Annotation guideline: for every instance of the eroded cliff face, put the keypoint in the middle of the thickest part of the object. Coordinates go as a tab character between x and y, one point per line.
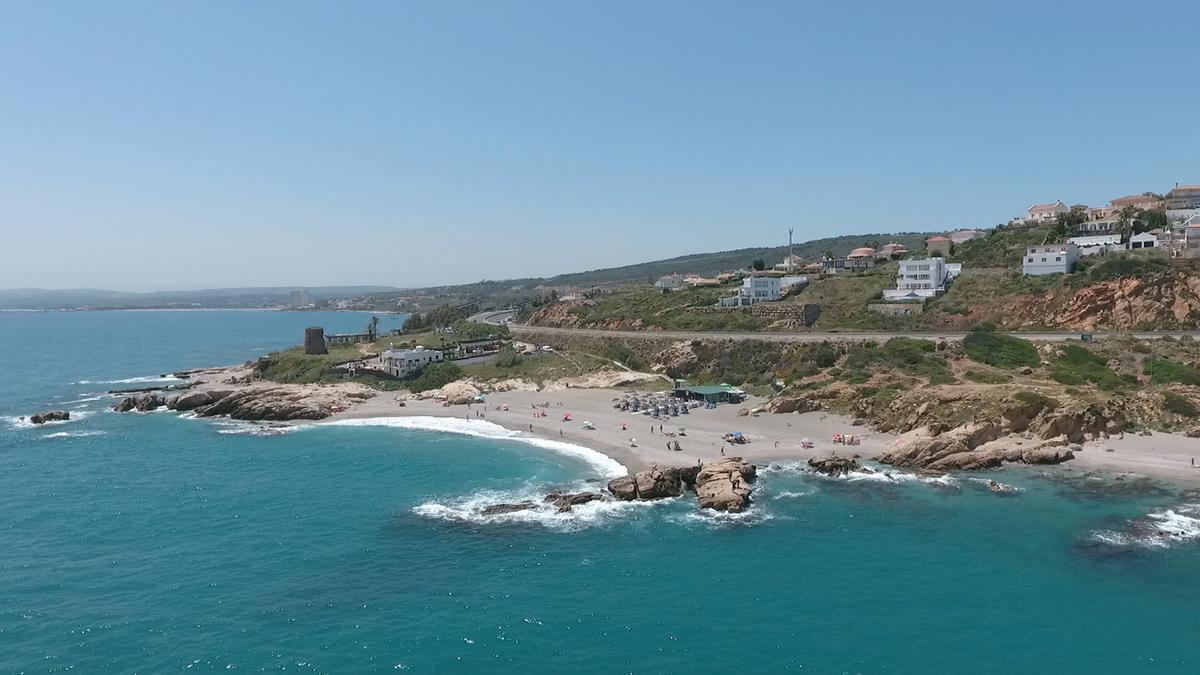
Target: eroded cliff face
1172	301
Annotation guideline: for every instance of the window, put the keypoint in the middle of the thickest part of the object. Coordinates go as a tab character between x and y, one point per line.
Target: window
1031	260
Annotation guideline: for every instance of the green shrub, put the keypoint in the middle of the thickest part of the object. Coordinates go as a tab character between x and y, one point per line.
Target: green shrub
1113	267
912	357
508	357
1079	366
1179	405
984	377
435	375
1162	371
1042	401
1000	351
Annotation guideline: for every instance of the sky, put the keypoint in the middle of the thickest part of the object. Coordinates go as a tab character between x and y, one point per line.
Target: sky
174	145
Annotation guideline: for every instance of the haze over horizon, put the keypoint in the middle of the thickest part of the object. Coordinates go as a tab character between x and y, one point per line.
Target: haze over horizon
150	146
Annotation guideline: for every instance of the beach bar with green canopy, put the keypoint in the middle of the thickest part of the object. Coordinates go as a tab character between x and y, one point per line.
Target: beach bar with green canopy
719	393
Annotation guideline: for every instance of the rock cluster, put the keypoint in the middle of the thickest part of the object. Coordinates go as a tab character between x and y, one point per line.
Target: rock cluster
834	466
970	447
50	416
274	403
723	486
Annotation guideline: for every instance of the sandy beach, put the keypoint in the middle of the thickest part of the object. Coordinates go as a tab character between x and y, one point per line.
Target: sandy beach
1158	455
771	437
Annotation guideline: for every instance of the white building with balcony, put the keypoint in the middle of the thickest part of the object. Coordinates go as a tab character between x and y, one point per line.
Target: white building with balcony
922	279
758	289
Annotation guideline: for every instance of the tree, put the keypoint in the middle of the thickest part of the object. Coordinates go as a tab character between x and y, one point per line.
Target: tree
373	328
828	254
1125	219
759	264
1151	219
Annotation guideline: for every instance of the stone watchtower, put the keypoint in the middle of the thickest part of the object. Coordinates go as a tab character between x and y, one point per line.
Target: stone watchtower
314	340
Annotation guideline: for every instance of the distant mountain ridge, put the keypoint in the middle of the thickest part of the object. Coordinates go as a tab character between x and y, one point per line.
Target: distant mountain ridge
706	264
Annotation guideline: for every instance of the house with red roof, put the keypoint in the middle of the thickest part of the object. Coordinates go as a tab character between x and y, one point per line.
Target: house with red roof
938	245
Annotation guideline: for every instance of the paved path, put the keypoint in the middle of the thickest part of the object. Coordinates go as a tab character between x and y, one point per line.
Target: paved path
768	336
494	317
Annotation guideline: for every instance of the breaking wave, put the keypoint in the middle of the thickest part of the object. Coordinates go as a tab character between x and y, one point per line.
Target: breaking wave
75	434
755	515
469	509
1158	529
869	475
145	379
605	465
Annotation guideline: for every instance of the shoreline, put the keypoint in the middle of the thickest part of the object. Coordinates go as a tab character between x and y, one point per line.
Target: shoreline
772	437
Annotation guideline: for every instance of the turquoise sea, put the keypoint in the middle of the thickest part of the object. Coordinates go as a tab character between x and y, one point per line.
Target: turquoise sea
156	543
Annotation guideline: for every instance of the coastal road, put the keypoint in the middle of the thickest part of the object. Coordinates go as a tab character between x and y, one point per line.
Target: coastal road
494	317
1039	336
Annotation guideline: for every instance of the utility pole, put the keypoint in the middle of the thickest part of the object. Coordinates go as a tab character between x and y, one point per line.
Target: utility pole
790	263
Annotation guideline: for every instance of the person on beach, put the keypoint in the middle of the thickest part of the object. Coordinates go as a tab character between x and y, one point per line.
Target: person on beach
722	451
530	428
560	433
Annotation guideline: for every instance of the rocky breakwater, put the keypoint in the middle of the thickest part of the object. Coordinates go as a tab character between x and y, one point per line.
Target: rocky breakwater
255	403
725	485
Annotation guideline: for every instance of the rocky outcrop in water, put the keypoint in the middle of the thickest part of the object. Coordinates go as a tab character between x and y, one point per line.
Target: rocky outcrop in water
141	402
834	466
50	416
565	501
725	485
500	509
655	483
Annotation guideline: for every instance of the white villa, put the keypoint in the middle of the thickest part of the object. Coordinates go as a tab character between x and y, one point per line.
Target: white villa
758	289
1040	214
922	279
407	362
670	282
1143	240
1050	259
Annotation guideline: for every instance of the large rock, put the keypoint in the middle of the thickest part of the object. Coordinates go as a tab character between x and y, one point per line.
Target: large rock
564	501
653	484
141	402
834	466
193	400
623	488
283	403
658	483
499	509
50	416
725	485
925	448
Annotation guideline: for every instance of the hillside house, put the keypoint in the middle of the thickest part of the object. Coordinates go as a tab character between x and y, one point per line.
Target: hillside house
846	265
1045	214
963	236
668	283
1050	259
892	250
938	245
1142	202
1183	202
796	263
762	288
922	279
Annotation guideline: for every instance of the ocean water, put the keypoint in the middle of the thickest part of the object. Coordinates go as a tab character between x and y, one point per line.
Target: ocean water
157	543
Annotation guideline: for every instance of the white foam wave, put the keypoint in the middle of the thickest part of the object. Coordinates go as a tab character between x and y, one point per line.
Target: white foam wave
89	399
1159	529
787	494
145	379
257	430
75	434
605	465
469	509
755	515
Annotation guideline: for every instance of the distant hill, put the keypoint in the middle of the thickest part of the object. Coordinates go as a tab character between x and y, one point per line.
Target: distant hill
708	264
91	298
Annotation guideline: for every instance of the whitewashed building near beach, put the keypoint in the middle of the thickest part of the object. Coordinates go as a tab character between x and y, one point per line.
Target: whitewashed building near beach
1097	244
408	362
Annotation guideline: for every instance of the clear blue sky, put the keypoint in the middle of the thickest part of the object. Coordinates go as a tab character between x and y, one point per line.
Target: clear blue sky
167	145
